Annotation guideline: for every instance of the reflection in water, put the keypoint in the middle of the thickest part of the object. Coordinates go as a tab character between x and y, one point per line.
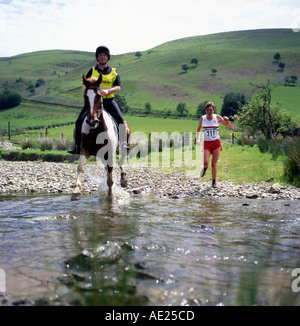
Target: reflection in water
148	251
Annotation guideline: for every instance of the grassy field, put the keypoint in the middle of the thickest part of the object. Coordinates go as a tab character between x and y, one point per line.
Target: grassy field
289	98
35	115
144	125
156	77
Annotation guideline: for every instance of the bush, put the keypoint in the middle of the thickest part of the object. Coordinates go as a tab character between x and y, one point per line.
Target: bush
62	144
45	144
263	144
232	104
277	148
40	82
9	99
245	140
27	143
292	161
18	155
290	149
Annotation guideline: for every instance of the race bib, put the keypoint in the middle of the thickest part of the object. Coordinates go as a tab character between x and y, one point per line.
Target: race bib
211	133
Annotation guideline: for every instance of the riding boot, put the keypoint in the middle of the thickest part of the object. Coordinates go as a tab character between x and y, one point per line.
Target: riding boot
76	148
77	135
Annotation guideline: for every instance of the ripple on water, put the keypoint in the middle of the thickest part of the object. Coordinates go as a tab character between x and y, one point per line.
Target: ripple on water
191	251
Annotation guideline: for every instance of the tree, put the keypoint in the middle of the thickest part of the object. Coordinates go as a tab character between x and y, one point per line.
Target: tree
182	110
232	104
261	116
40	82
138	54
31	88
9	99
277	56
185	67
147	108
291	80
281	66
201	109
122	103
194	61
214	71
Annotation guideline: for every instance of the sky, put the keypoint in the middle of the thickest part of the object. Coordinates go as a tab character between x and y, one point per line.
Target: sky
131	25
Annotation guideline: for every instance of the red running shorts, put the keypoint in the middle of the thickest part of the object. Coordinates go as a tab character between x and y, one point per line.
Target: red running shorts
212	145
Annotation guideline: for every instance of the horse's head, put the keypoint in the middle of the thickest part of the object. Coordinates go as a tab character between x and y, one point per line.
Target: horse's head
92	99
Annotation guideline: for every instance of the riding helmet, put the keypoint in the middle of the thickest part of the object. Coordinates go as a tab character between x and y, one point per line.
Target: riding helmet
102	49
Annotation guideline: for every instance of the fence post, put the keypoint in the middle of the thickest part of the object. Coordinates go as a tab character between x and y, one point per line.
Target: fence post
8	130
232	138
46	133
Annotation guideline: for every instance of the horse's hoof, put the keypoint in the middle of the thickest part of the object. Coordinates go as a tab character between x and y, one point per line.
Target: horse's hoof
123	180
76	196
124	183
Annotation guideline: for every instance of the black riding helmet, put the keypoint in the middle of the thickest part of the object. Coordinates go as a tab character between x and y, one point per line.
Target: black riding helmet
102	49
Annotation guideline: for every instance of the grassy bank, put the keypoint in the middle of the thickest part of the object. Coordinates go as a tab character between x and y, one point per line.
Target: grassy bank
247	164
36	155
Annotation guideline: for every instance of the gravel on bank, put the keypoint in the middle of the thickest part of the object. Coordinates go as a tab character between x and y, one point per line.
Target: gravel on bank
49	177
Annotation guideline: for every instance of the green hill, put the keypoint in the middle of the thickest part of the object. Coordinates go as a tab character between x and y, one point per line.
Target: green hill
157	77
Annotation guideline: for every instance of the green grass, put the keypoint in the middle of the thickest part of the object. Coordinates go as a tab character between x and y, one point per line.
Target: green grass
246	164
239	164
289	98
29	114
137	124
156	77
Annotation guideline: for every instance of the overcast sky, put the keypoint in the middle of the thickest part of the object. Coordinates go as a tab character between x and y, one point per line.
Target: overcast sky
131	25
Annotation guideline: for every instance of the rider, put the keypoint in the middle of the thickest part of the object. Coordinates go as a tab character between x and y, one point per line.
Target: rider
111	84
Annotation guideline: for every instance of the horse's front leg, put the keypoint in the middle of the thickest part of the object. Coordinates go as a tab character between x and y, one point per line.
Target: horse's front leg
123	155
124	181
76	194
110	180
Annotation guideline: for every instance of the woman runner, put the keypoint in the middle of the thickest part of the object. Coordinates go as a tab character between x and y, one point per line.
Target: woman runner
212	144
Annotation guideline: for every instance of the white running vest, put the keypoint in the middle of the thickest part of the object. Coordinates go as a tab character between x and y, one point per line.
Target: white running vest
210	128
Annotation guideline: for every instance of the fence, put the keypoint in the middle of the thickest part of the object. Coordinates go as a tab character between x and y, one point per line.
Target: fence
293	133
9	131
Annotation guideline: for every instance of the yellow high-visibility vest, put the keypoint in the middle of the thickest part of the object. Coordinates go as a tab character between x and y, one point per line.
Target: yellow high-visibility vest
107	80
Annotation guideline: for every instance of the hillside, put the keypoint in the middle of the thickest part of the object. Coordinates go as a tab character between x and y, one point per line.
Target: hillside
157	77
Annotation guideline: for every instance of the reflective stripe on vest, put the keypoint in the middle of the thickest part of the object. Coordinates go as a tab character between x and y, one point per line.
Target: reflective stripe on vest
107	80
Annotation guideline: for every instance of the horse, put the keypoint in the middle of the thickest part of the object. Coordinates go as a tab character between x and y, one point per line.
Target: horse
99	136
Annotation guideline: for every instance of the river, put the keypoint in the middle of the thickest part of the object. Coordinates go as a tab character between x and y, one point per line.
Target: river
148	251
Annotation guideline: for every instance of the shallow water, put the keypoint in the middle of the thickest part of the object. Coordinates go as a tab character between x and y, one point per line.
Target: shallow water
135	250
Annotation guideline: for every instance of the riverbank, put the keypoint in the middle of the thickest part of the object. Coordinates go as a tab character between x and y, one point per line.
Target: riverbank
49	177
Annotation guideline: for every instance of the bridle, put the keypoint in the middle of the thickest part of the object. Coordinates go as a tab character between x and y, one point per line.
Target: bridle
97	92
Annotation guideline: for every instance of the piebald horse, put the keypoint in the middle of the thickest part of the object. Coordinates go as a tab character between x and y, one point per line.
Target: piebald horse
99	136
